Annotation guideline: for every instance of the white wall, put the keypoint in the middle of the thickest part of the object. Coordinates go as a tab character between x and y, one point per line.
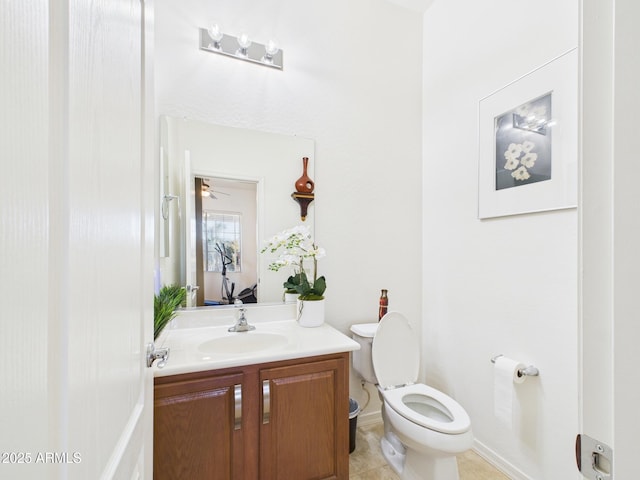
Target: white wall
351	81
506	285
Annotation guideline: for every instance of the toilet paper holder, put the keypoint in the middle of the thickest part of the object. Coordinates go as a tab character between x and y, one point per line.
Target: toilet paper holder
529	371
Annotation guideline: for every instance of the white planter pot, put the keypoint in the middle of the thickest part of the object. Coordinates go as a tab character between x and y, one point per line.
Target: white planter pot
290	297
310	312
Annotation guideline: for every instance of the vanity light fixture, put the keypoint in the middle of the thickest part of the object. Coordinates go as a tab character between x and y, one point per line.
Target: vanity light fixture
242	47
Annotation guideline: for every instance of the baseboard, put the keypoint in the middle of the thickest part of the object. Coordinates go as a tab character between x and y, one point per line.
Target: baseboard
500	463
368	419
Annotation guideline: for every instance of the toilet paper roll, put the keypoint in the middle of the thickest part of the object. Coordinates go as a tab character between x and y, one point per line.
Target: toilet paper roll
505	375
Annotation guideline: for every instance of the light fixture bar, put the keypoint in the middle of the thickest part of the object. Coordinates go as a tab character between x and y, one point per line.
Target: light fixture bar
228	45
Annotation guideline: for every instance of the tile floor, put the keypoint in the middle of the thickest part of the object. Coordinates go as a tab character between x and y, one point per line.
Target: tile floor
367	462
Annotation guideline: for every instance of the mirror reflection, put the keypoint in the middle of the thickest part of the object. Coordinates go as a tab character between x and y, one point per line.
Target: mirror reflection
225	219
223	191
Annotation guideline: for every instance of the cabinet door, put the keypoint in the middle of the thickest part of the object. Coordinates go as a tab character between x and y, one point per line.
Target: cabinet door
196	430
305	421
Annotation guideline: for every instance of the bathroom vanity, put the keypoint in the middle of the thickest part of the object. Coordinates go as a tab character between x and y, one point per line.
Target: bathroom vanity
267	404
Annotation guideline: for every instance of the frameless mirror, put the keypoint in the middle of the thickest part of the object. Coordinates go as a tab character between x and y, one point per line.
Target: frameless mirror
223	192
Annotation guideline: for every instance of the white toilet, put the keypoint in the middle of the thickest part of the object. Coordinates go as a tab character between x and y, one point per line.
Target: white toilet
424	428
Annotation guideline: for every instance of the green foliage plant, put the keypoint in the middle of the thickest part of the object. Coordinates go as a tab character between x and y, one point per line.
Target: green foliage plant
165	303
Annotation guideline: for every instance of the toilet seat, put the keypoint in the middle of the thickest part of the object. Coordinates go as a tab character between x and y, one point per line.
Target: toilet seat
396	358
440	412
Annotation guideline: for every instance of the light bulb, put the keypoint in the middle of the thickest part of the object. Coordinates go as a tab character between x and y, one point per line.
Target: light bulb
215	34
244	41
271	48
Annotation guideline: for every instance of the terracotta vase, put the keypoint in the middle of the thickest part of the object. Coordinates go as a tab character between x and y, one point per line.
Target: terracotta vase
304	184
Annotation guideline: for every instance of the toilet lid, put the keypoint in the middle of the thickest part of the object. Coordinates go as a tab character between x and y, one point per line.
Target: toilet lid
395	352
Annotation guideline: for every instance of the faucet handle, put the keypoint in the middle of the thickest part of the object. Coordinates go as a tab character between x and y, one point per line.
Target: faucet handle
241	322
240	306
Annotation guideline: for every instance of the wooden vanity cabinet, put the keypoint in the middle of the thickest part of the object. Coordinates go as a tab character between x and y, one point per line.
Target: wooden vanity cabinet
305	434
294	422
194	428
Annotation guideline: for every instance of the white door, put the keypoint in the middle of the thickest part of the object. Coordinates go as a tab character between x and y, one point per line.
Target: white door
76	236
610	225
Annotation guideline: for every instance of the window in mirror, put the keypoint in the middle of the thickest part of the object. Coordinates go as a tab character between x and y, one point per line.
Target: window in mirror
222	239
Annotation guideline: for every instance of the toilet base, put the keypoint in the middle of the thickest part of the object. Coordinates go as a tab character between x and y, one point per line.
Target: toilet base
413	465
419	466
393	454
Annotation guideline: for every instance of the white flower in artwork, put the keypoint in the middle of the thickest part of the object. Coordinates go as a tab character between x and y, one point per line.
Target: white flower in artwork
529	159
521	173
520	157
514	150
512	162
527	146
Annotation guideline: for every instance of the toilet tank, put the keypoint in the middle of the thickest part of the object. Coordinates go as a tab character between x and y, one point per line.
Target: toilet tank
363	333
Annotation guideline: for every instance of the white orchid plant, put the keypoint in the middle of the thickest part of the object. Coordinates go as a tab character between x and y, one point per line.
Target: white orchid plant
295	246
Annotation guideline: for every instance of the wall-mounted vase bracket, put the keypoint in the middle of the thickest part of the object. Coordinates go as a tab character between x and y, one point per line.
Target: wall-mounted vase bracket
304	199
304	190
231	47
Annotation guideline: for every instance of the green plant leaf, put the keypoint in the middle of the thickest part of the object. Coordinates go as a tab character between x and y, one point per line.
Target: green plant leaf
165	303
319	286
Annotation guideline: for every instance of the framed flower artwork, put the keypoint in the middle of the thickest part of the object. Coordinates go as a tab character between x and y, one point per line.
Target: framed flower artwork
528	142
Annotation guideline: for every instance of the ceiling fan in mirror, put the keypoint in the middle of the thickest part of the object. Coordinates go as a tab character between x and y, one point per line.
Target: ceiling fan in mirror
207	191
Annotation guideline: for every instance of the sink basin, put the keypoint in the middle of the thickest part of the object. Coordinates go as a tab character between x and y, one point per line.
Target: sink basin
245	342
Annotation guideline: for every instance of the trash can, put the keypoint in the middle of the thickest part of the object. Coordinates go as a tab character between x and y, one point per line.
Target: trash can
354	409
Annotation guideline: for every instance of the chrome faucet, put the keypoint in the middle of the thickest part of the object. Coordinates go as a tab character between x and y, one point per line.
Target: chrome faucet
241	323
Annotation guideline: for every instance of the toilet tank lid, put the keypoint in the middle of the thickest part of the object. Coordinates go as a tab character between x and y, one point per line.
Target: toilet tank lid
367	330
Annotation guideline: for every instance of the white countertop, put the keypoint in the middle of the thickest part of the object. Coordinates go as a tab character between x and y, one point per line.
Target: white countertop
190	335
